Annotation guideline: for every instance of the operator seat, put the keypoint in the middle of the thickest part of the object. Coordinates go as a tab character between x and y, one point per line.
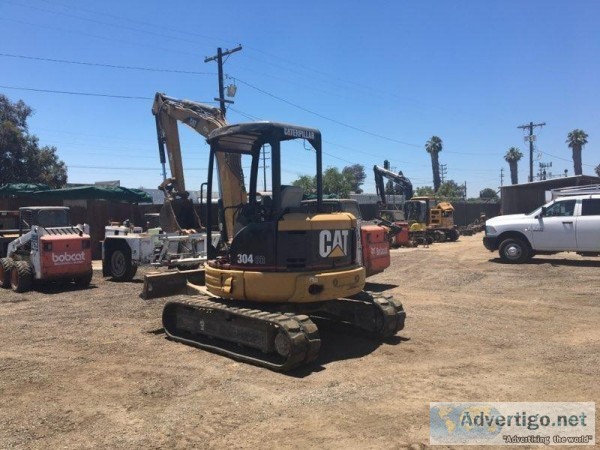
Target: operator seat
291	199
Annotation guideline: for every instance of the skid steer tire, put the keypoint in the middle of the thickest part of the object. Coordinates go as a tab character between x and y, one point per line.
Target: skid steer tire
84	281
5	268
21	277
120	267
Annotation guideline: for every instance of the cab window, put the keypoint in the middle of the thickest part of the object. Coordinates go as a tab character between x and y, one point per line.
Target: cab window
561	209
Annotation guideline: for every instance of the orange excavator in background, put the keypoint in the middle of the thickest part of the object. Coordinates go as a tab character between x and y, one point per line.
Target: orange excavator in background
279	268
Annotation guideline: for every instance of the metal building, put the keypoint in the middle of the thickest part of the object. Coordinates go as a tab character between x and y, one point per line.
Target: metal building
522	198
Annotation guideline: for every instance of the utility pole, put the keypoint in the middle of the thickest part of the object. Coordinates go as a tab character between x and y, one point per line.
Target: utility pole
264	166
502	176
531	138
219	58
543	167
443	171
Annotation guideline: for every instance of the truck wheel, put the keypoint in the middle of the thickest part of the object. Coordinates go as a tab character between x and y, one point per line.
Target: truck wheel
120	267
514	251
21	277
84	281
5	267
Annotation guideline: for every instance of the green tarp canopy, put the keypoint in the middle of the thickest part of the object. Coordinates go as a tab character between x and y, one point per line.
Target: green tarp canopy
22	188
118	194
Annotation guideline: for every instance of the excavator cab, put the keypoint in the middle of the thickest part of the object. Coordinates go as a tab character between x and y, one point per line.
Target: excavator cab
271	233
258	210
417	211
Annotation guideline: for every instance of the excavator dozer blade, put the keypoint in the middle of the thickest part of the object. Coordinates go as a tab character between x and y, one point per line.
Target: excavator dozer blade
165	284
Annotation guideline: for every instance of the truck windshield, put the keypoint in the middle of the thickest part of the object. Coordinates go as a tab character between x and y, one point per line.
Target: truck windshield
535	212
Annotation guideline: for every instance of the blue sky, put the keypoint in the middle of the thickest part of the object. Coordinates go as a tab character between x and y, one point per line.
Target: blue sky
378	79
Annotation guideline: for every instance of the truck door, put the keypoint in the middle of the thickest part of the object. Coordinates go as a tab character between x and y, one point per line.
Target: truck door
555	229
588	229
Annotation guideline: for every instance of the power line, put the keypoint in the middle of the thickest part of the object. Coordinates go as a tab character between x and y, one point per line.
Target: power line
157	169
565	159
89	94
100	22
325	117
155	25
162	26
115	66
111	66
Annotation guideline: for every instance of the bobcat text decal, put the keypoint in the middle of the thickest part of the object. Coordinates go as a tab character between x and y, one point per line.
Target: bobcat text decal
333	244
68	258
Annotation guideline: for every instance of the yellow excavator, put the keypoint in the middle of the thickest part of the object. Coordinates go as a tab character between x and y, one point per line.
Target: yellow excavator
279	267
436	219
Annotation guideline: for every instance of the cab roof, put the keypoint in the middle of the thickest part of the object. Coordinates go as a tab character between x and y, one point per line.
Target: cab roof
244	137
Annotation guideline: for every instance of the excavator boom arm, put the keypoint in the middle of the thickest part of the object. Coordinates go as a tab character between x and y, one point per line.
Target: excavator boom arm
168	111
381	173
203	119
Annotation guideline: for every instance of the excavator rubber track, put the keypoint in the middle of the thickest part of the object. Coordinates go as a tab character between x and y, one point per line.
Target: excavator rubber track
377	315
277	341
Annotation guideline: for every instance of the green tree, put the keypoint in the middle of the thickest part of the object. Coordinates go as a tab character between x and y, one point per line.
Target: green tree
512	157
424	191
21	158
576	140
434	147
597	170
489	194
307	183
355	174
450	190
334	182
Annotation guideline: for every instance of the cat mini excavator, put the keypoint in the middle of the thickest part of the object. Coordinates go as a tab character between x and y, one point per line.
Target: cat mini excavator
283	268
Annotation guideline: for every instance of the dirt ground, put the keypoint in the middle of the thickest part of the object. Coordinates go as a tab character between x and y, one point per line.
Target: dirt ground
92	368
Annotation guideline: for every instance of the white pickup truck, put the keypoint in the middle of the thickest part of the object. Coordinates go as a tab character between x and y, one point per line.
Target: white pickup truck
566	224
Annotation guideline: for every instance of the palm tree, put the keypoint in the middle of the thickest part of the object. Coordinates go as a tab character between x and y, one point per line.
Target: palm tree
512	157
433	147
576	140
597	170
